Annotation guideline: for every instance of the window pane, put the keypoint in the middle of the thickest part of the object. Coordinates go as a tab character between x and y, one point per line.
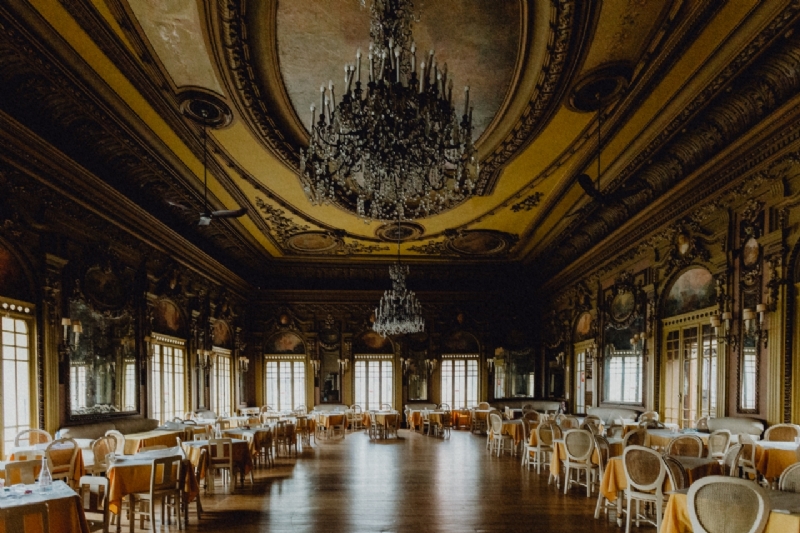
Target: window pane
16	369
361	383
386	383
299	391
447	382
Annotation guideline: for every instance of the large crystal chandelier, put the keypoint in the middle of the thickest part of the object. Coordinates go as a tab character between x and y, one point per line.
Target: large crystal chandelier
397	148
398	311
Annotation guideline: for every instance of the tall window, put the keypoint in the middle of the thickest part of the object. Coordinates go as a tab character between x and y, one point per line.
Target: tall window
373	381
690	369
17	372
748	399
221	387
623	376
460	380
167	379
580	382
129	382
285	382
77	386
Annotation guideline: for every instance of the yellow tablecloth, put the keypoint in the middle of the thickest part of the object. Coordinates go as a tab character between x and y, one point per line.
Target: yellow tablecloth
512	428
135	441
256	438
242	460
676	518
614	479
461	418
133	476
64	512
772	458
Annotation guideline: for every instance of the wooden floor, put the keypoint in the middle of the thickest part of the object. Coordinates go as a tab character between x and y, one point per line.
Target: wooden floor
416	484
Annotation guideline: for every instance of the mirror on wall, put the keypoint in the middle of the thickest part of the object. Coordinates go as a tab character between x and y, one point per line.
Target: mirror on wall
623	365
514	373
102	362
331	383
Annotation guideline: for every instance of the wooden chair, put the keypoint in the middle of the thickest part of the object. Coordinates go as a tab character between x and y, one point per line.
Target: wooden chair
790	479
579	445
603	455
782	433
543	448
64	471
645	472
678	477
199	467
30	518
722	503
686	445
220	458
93	493
483	406
29	437
22	471
120	440
165	476
393	421
747	457
498	439
100	449
730	463
28	455
354	418
718	443
637	437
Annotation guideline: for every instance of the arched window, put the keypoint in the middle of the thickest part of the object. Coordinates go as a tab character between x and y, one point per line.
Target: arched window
167	377
285	371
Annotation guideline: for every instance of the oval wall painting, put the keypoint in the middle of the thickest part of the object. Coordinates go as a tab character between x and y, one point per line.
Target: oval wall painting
285	343
583	329
622	306
693	290
751	252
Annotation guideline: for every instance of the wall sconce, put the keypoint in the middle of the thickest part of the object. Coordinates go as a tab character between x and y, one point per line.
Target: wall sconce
343	364
754	323
722	326
71	338
430	365
206	359
244	365
405	365
490	364
637	343
593	355
315	365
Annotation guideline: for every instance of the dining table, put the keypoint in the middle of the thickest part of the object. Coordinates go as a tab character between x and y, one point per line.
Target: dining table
64	509
512	428
135	441
129	475
381	418
59	455
326	421
772	457
255	437
240	449
662	437
480	418
784	517
414	418
462	418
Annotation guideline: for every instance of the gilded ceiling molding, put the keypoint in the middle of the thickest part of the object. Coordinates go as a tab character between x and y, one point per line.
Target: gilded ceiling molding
765	86
528	203
281	226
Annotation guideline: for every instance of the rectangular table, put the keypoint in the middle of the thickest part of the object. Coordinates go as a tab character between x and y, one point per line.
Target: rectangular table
131	474
676	515
662	437
462	419
381	418
135	441
60	457
772	458
242	460
512	428
64	509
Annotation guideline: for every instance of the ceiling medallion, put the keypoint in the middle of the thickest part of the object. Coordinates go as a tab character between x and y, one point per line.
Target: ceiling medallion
481	242
600	87
314	242
397	150
404	231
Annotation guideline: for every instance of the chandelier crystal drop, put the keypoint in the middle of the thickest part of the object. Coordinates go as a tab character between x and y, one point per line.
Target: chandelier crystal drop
398	312
393	147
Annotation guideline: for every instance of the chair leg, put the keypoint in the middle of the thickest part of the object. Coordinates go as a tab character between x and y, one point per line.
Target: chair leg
628	517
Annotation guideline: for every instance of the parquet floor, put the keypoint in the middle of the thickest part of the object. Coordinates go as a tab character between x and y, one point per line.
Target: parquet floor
416	484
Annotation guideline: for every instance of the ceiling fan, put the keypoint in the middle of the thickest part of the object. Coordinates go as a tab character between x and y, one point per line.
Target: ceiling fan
206	216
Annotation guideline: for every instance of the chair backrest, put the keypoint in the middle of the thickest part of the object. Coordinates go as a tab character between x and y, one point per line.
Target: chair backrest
166	472
560	419
720	503
603	451
28	455
220	451
101	448
570	422
22	471
718	443
496	423
702	423
527	407
748	456
593	426
615	431
782	433
29	518
534	416
544	434
558	433
730	463
483	406
32	436
650	424
678	477
790	479
62	444
120	440
637	437
686	445
648	415
386	407
444	407
93	493
645	470
300	410
596	418
356	408
578	443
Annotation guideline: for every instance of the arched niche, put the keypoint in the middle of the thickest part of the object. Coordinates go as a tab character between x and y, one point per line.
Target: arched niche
15	283
169	319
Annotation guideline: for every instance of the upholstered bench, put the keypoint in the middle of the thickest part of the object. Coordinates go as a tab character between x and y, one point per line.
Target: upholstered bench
737	425
98	429
609	414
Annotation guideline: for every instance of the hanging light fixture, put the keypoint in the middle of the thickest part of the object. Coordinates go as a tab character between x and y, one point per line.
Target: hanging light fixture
397	148
398	312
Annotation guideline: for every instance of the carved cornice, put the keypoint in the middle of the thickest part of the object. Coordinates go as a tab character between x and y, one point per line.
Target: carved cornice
765	86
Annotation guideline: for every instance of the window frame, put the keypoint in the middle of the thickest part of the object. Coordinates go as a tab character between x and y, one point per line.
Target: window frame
467	358
293	361
17	310
154	390
364	400
222	356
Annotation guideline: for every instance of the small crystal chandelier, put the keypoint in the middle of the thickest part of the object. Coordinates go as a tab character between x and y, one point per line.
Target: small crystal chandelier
398	311
397	148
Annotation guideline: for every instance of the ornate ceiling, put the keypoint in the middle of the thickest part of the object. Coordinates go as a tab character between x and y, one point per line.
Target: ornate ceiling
535	68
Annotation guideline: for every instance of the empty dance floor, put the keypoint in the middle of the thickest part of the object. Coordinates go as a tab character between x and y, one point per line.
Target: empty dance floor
416	484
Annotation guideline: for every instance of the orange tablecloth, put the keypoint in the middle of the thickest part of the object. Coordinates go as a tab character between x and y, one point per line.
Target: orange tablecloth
133	475
135	441
256	437
676	518
64	511
461	418
614	479
772	458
